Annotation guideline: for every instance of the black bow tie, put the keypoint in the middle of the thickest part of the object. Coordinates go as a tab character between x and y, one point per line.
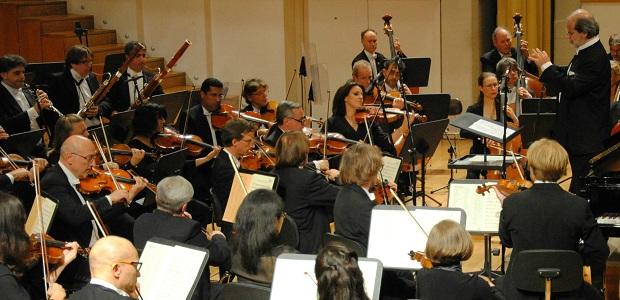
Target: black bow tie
79	82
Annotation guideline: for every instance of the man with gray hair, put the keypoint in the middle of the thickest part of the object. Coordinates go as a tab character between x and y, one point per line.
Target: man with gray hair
583	89
502	47
614	47
289	117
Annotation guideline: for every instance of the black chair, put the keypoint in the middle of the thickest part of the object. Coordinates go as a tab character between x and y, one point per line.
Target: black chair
242	291
289	235
112	62
351	244
455	108
535	270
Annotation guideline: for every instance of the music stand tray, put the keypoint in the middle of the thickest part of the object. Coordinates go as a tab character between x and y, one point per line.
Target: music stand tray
426	137
173	103
169	164
24	143
484	127
417	71
477	162
434	106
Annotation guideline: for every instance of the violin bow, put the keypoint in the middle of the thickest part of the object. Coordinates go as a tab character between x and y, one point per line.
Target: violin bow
189	101
241	94
260	148
11	162
409	213
325	127
44	261
234	165
105	138
97	218
514	157
105	164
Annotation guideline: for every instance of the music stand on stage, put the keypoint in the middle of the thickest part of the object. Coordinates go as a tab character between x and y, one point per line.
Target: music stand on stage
98	132
434	106
423	141
169	164
39	75
24	143
173	103
120	126
416	72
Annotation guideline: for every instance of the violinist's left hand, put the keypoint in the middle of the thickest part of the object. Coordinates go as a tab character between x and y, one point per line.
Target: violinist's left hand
398	103
137	155
393	186
70	252
214	153
136	188
3	134
332	174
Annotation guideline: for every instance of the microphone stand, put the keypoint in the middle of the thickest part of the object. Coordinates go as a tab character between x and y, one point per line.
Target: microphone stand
504	86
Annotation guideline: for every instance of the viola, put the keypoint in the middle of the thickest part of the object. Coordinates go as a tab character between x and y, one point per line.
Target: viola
171	139
256	160
12	158
382	191
421	258
99	180
270	112
54	249
366	113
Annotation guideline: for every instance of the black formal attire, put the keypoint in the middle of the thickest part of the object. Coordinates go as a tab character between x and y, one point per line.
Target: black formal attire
490	59
6	185
446	283
97	292
221	178
64	93
547	217
583	122
379	60
309	199
198	124
352	211
10	285
118	98
249	107
264	268
15	120
380	138
146	167
273	135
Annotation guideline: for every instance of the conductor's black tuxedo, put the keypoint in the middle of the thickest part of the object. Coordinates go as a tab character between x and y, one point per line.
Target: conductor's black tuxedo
64	94
547	217
309	200
15	120
352	212
97	292
490	59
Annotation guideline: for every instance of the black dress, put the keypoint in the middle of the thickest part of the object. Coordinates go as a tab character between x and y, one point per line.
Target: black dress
379	137
450	283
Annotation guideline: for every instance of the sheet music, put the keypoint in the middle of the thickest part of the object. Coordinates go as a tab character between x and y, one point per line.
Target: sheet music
499	158
33	223
260	181
391	166
482	211
491	129
169	271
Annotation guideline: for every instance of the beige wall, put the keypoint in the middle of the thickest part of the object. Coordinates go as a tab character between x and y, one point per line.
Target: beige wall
606	13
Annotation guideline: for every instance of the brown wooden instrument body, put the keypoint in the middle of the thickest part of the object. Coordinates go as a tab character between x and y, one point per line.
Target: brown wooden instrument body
148	90
54	249
171	139
421	258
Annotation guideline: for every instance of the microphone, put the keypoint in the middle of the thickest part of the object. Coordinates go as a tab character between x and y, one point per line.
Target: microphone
376	82
134	78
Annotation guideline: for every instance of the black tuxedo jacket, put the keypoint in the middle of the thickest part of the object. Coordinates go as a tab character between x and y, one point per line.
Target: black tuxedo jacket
584	111
547	217
64	93
222	174
97	292
14	120
118	96
379	136
72	221
309	200
352	211
490	59
197	124
378	61
273	135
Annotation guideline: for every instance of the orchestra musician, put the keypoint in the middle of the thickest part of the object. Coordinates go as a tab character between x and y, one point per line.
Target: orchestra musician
526	217
583	122
255	93
488	107
70	124
370	54
290	116
237	139
114	268
337	274
126	92
448	245
502	47
21	110
257	226
171	221
509	63
199	121
391	73
74	87
614	47
308	196
19	276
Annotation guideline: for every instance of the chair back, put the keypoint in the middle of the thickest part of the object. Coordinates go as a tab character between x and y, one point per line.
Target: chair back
354	246
455	108
112	62
289	235
530	267
242	291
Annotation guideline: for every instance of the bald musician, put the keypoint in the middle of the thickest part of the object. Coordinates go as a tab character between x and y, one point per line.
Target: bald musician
114	269
370	54
502	47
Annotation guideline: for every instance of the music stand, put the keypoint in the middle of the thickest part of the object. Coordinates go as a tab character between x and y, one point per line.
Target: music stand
40	76
169	164
120	126
536	126
416	72
98	132
423	141
434	106
539	105
24	143
173	103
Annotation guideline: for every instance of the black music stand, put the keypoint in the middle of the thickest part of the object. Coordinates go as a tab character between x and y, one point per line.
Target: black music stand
39	75
173	103
434	106
424	140
24	143
539	105
416	72
98	132
169	164
536	126
120	126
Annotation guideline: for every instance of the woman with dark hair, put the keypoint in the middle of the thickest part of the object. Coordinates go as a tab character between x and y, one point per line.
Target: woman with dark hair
348	99
256	229
309	198
338	275
488	107
19	276
70	124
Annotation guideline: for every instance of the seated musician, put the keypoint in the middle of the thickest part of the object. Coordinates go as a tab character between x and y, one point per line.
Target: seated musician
308	196
502	47
171	221
257	226
362	75
70	124
114	269
289	117
488	107
126	92
75	86
337	274
547	217
20	272
448	245
237	139
199	121
392	84
347	100
255	93
509	63
21	109
73	220
370	54
20	174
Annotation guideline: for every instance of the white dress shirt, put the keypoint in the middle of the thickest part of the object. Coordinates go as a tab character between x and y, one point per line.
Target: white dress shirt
84	95
211	129
22	101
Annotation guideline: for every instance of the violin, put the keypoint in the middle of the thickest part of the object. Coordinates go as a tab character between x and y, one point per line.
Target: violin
171	139
99	180
121	154
54	249
5	162
256	160
388	99
270	111
421	258
365	113
336	143
505	187
223	114
382	191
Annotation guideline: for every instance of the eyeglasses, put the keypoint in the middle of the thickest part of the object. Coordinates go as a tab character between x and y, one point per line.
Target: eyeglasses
300	120
88	158
88	61
136	264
